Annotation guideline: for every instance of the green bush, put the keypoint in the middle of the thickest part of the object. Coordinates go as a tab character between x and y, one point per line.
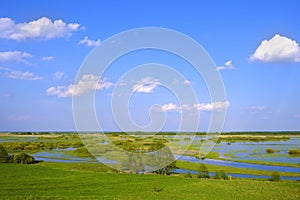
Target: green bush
188	175
294	152
31	147
4	157
270	150
217	175
203	171
23	158
221	175
275	176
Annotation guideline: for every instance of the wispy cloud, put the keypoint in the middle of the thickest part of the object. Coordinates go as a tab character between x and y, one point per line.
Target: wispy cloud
58	75
279	49
227	65
90	43
43	28
88	82
47	58
20	75
15	56
24	76
219	106
146	85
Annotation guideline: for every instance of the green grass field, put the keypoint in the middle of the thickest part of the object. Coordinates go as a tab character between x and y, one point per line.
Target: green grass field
88	181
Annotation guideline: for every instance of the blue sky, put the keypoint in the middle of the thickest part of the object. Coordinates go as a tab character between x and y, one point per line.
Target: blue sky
254	44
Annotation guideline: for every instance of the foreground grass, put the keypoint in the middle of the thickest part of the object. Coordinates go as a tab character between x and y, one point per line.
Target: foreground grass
58	181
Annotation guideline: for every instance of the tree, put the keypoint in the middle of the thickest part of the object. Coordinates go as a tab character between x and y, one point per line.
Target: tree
275	177
223	175
217	175
188	175
203	171
4	157
23	158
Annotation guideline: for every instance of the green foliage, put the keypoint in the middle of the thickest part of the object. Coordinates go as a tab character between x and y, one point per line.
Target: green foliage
294	152
203	171
31	147
156	188
23	158
270	150
4	157
275	176
217	175
221	175
188	175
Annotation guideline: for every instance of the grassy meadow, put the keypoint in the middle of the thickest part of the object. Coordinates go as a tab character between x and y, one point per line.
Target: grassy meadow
74	181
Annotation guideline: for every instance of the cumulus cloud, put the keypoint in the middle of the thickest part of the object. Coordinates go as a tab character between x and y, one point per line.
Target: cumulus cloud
88	82
16	56
90	43
195	107
24	76
41	28
227	65
146	85
279	49
47	58
58	75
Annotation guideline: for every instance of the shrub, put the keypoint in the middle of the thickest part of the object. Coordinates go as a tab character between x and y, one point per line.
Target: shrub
23	158
31	147
4	157
203	171
270	150
275	177
188	175
156	188
294	152
217	175
221	175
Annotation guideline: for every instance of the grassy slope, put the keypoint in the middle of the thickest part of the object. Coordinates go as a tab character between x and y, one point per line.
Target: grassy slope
48	181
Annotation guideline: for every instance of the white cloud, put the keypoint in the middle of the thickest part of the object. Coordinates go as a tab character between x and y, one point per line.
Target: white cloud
23	76
88	42
228	65
279	49
41	28
257	109
187	82
146	85
16	56
169	107
212	106
195	107
58	75
47	58
88	82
